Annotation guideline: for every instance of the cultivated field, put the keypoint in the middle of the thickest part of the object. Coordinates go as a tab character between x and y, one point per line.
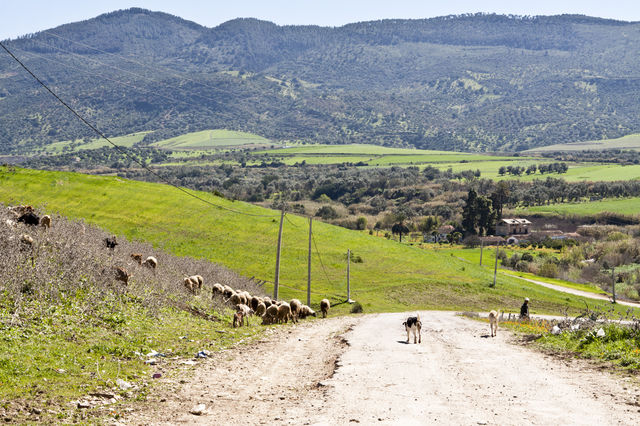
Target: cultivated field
625	142
211	139
78	145
626	206
392	276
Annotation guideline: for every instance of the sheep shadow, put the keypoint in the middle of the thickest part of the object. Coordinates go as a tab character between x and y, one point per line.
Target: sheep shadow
485	336
404	342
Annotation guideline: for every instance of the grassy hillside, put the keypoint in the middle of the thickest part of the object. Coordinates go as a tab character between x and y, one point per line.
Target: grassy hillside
211	139
79	144
392	276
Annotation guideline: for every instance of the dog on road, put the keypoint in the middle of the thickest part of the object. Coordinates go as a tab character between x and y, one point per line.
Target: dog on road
413	325
493	322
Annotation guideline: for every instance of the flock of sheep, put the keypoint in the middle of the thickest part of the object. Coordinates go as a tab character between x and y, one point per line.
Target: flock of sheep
244	304
271	311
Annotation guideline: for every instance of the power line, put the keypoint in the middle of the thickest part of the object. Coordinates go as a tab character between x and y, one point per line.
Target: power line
120	149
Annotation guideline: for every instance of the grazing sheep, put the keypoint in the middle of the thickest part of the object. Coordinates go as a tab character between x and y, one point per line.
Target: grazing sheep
235	299
254	302
296	306
150	262
246	310
228	291
307	312
247	297
26	239
29	218
122	275
110	242
20	210
324	307
270	315
217	288
191	284
284	313
261	309
267	301
45	221
137	257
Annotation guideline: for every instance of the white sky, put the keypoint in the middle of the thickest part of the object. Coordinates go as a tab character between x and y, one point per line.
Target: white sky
29	16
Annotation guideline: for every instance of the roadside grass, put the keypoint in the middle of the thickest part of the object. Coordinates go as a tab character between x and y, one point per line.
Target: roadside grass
626	206
211	139
392	276
63	352
577	286
620	345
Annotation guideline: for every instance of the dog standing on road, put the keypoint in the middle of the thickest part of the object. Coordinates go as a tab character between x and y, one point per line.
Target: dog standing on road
413	325
493	322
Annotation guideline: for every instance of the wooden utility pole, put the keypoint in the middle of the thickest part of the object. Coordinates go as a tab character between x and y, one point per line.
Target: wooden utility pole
495	267
309	266
348	285
613	283
481	247
277	280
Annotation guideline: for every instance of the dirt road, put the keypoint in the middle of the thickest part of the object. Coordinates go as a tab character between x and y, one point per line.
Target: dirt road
458	375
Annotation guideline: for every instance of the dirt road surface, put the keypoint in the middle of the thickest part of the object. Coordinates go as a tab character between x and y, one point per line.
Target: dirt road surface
457	375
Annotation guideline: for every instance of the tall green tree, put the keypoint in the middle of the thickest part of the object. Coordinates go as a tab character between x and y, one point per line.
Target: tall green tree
470	213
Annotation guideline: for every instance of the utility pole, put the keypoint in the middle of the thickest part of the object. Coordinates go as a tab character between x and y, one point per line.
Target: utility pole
277	279
348	266
481	247
613	283
309	266
495	267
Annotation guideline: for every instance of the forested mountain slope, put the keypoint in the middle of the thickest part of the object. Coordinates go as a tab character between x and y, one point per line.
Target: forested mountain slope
471	82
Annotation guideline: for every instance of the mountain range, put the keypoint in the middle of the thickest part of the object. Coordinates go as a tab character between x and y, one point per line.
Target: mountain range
474	82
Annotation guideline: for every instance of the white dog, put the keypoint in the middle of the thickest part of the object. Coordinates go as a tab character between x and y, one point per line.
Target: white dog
413	325
493	322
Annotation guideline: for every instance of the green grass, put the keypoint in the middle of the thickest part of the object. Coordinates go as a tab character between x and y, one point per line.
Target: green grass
625	142
60	352
619	347
472	255
125	141
393	277
625	206
211	139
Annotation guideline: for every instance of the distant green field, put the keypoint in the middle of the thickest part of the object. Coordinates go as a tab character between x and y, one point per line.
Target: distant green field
577	171
627	206
78	145
211	139
625	142
392	277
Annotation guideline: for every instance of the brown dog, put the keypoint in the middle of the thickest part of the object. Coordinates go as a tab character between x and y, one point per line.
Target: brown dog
493	322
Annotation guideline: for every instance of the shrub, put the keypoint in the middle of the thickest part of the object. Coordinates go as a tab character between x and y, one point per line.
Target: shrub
527	257
356	308
548	269
327	212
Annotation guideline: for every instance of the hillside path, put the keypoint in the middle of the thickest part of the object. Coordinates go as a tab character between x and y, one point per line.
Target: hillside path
457	375
577	292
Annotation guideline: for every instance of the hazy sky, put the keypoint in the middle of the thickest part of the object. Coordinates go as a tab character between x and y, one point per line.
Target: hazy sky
28	16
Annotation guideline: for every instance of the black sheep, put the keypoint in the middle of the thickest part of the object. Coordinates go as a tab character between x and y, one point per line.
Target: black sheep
29	218
111	242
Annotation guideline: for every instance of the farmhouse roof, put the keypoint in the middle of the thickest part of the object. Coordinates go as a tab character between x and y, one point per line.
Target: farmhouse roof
492	239
516	221
445	229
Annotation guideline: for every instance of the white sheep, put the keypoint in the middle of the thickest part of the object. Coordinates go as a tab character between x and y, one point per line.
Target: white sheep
228	291
261	309
295	305
217	288
324	307
270	315
306	312
150	262
284	312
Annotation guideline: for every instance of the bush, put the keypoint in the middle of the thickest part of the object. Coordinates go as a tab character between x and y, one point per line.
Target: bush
548	269
356	308
327	212
361	223
527	257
